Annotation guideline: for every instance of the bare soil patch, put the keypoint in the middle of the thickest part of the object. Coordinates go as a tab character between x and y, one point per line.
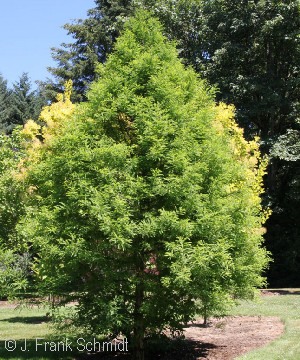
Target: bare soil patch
8	304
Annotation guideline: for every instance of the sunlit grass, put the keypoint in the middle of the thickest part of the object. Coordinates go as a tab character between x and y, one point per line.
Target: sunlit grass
18	324
286	347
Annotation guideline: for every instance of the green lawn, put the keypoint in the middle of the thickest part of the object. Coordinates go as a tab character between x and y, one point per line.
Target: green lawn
30	324
287	307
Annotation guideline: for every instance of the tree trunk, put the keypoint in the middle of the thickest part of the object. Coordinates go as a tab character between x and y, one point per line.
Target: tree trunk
139	330
205	316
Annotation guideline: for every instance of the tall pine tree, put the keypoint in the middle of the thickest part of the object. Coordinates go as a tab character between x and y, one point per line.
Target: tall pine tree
26	103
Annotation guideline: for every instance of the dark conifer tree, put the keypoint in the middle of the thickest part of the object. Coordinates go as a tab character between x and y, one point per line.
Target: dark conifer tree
93	41
5	105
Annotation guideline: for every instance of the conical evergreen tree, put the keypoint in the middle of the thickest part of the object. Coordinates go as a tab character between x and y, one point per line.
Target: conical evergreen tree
145	203
26	103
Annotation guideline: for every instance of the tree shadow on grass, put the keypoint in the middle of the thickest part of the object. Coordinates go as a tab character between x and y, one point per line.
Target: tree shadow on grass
27	319
169	350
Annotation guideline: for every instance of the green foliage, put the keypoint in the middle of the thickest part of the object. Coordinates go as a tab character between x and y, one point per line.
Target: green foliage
253	57
287	146
14	259
250	52
11	206
184	22
147	197
14	271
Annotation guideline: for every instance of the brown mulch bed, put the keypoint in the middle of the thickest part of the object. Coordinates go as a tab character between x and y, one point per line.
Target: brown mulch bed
222	339
227	338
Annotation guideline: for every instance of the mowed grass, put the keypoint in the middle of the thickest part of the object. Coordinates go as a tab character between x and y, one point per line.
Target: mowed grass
287	307
18	324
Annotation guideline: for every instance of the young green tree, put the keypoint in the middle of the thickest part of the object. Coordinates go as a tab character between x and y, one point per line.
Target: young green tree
145	200
250	51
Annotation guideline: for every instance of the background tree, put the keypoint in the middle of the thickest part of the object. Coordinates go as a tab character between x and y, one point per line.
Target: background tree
14	259
26	103
253	58
5	105
146	198
19	104
93	41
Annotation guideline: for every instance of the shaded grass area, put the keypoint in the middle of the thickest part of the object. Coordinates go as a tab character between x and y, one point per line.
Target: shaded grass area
284	303
31	324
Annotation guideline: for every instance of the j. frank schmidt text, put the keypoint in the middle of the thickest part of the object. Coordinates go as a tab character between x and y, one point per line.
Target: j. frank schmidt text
66	345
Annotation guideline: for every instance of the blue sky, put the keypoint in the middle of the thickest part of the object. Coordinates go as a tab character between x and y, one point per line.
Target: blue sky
28	29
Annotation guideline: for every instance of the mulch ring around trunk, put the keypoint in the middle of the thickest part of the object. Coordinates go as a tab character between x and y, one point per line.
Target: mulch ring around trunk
221	339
